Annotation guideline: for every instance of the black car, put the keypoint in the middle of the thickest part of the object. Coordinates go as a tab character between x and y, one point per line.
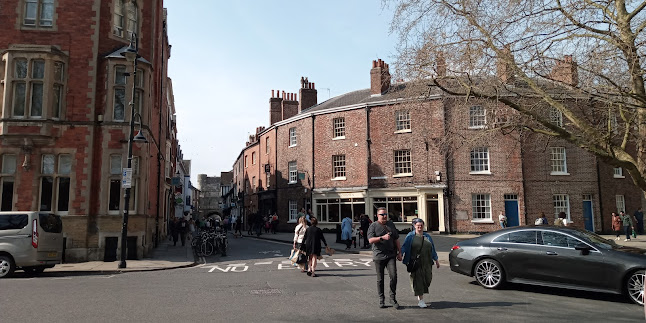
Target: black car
552	256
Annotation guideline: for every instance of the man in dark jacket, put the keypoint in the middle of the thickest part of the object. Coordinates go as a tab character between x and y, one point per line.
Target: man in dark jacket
639	218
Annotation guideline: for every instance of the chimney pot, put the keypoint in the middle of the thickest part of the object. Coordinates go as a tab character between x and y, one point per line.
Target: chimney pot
272	93
374	64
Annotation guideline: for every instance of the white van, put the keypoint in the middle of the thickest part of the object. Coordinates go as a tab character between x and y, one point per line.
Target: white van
31	241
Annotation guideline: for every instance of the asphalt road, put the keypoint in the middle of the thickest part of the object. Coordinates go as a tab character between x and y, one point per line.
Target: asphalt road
256	284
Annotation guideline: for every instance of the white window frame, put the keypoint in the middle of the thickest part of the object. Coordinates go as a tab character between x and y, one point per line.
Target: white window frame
479	161
134	190
561	203
481	207
477	117
402	121
402	163
618	172
293	172
556	117
292	137
558	158
39	20
620	203
338	168
57	174
338	128
292	210
253	157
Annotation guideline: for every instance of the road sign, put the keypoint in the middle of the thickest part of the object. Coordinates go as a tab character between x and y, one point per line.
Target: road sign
126	179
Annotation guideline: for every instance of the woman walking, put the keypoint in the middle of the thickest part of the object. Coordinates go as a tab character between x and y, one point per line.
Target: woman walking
299	234
616	225
346	231
419	246
313	237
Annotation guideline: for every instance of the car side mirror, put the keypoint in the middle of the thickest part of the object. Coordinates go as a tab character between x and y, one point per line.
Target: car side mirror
585	249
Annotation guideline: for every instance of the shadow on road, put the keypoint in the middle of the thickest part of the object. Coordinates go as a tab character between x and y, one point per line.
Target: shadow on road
444	304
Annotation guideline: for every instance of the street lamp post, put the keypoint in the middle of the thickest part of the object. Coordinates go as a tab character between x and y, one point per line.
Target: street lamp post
131	55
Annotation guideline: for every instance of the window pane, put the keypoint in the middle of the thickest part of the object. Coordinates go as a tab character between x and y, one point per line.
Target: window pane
63	194
346	210
554	239
37	100
119	104
56	104
359	209
31	8
410	210
21	68
48	164
115	190
395	211
19	99
38	70
46	189
523	237
120	77
64	164
115	164
138	101
9	164
333	213
6	203
47	13
139	78
58	72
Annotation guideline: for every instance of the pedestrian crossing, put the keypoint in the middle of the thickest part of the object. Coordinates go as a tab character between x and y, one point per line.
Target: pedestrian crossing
264	264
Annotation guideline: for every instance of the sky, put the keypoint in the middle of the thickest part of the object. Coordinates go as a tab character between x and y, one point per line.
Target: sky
227	56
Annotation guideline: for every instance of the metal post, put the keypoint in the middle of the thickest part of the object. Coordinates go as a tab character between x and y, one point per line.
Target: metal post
126	195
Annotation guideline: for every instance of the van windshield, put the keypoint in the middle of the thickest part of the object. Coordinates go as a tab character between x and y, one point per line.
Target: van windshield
13	221
51	223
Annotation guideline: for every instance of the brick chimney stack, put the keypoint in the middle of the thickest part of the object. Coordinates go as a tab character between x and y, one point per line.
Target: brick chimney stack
308	95
290	105
566	71
504	70
379	77
275	108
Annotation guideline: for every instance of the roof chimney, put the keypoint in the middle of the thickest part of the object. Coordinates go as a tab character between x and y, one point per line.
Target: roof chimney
308	95
275	108
379	77
504	66
290	106
566	71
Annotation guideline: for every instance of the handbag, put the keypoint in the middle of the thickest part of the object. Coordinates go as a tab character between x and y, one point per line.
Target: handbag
302	258
416	262
293	256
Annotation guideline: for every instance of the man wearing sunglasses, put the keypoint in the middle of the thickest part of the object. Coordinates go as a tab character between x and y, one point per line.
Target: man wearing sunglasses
386	250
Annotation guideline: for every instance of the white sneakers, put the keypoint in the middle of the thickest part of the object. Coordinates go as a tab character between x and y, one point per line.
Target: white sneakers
626	239
617	238
422	304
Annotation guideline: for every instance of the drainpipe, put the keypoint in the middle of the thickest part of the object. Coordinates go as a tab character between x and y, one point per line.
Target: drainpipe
159	136
313	174
368	160
596	161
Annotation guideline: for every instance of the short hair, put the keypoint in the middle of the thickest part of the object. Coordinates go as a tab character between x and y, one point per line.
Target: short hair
314	221
381	208
418	220
562	215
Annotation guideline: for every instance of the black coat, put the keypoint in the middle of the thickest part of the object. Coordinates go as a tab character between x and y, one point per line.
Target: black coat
312	240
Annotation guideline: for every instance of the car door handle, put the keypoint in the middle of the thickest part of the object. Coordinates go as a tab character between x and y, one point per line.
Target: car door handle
552	253
502	249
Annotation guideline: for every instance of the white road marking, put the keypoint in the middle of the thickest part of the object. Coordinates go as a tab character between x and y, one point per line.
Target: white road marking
62	278
264	263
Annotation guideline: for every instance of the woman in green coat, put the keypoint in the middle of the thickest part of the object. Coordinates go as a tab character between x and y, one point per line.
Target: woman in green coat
420	243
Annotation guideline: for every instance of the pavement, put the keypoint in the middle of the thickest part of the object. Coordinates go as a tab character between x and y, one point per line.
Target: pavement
167	256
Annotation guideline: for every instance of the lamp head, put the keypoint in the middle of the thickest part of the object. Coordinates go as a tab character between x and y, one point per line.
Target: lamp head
140	137
131	53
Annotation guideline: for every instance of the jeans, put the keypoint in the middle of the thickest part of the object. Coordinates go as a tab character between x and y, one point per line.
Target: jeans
628	230
391	264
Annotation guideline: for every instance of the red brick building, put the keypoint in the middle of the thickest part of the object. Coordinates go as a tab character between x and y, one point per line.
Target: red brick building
382	147
64	119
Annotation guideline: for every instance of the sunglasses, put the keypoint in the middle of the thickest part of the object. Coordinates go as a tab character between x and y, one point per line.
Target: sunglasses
383	214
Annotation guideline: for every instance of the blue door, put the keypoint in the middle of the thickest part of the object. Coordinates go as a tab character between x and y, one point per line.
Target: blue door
511	211
587	214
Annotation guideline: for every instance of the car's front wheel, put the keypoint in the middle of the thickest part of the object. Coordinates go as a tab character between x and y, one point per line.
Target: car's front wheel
6	266
489	273
635	286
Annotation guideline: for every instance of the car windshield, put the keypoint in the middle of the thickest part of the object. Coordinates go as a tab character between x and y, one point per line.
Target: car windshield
596	239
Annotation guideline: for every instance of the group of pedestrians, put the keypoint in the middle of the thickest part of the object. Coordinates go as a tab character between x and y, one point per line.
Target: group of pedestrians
632	225
307	243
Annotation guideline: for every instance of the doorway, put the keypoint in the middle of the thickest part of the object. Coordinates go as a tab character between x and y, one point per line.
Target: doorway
132	248
433	215
511	210
587	212
110	253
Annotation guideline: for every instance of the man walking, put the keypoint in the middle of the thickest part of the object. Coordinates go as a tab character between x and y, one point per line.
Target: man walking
385	251
639	218
629	226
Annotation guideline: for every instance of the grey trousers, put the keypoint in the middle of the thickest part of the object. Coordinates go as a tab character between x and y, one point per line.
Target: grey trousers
391	265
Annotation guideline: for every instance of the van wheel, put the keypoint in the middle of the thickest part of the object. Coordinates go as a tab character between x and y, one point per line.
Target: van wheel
6	266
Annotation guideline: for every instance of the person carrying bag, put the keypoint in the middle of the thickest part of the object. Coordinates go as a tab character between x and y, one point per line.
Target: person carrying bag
419	254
